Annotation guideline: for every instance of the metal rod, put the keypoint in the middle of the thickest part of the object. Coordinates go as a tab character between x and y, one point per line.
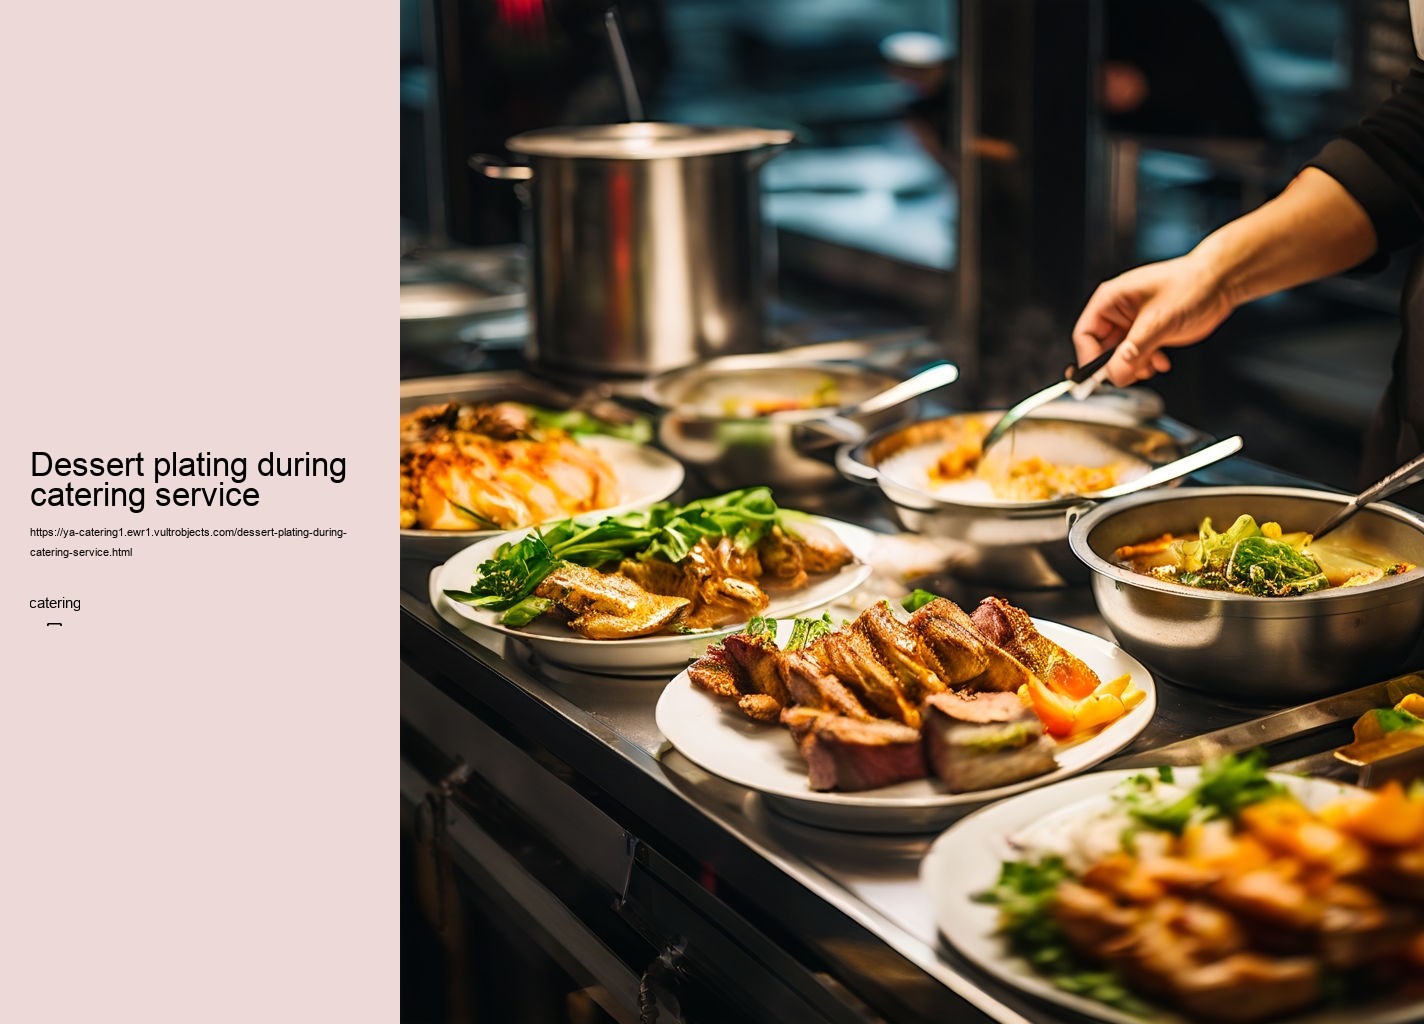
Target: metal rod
624	67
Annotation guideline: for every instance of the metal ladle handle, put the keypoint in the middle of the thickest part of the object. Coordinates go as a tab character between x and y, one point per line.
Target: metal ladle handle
1409	473
1174	469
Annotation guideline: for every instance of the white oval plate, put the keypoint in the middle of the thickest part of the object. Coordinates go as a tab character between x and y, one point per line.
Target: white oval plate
645	474
764	756
965	860
647	655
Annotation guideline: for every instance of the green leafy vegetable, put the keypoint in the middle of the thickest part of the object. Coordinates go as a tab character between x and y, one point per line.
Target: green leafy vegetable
664	531
526	611
1227	785
576	421
917	599
1247	559
807	631
760	625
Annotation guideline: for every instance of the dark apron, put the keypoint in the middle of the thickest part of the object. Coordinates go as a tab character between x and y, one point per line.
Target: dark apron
1397	433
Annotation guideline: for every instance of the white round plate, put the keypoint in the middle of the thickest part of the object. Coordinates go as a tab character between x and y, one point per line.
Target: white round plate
645	474
647	655
965	860
764	756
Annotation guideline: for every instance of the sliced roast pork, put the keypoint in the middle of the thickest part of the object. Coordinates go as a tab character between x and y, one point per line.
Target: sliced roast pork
851	755
983	740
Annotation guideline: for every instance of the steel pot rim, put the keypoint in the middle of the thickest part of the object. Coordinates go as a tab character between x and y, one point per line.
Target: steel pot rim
1332	600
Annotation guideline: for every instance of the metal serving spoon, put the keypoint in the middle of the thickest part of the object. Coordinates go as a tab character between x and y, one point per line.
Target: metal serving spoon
838	425
1081	383
1171	470
1411	472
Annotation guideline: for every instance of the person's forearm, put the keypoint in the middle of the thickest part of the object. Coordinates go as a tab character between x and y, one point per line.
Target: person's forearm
1311	230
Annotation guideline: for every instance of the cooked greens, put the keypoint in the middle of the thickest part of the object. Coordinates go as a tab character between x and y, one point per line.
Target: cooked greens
1226	785
1259	560
663	531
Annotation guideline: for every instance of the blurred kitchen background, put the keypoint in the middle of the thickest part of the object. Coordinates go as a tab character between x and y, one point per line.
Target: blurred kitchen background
973	168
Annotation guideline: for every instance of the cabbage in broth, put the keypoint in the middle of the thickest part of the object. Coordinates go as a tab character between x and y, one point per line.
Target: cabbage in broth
1258	560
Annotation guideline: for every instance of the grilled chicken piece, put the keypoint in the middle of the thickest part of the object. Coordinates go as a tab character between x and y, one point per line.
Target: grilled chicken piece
713	673
850	755
1012	629
754	661
959	654
983	740
606	606
787	560
718	580
849	656
901	649
809	685
953	637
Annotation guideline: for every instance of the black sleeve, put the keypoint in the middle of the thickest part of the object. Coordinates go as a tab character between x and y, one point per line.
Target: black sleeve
1380	161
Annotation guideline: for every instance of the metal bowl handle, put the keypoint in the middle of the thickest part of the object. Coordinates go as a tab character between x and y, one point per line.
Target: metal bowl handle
494	167
853	469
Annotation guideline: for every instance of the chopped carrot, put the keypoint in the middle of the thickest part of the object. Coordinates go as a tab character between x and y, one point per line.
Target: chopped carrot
1054	711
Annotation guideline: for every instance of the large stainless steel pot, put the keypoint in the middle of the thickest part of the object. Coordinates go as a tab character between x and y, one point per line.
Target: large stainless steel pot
646	243
1016	544
1281	649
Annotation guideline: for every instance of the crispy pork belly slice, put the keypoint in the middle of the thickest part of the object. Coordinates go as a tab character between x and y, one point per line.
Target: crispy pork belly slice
809	685
1012	629
851	755
755	662
1247	987
606	606
983	740
849	657
901	649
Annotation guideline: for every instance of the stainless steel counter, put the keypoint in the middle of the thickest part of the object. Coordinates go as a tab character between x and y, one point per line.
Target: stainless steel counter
755	917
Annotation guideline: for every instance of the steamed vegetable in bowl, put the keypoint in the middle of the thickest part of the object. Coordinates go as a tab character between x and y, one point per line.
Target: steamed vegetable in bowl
1259	560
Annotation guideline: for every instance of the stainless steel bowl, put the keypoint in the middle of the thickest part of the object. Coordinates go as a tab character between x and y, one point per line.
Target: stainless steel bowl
792	451
1276	649
1018	544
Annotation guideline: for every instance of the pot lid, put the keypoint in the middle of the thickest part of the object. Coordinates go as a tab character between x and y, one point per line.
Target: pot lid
646	140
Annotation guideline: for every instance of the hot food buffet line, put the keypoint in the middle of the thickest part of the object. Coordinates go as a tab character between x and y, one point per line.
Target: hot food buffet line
808	823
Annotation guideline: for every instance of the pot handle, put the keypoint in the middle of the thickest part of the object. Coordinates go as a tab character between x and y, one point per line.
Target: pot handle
494	167
773	142
1078	511
853	469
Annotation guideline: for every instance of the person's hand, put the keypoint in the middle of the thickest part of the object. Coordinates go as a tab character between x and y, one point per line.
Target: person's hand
1161	305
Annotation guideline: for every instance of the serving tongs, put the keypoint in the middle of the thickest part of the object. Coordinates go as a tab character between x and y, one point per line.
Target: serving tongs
1081	383
1282	729
1409	473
